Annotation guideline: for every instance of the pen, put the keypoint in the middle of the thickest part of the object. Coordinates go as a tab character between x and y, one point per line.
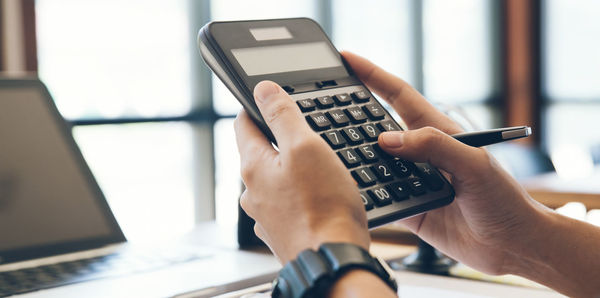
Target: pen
493	136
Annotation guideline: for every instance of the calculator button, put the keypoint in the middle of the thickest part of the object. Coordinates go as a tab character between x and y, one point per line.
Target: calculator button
349	157
334	138
327	83
399	190
383	171
367	153
353	135
366	200
356	114
361	96
342	99
374	111
338	118
318	121
306	105
288	89
324	102
370	132
380	195
431	176
388	125
364	177
401	167
416	186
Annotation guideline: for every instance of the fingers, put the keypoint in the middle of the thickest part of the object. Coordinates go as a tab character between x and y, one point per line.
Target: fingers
253	146
245	203
259	231
414	109
280	113
437	148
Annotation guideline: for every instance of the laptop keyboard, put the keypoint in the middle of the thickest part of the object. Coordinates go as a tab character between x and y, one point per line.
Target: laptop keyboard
48	276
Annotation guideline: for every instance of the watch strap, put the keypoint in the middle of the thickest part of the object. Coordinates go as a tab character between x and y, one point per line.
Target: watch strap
299	277
313	272
343	257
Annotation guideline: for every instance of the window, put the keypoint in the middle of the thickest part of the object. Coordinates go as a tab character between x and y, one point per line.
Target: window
113	61
101	64
129	76
381	32
146	172
459	58
443	48
571	84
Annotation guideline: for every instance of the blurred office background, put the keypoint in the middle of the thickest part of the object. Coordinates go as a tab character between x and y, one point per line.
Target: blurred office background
156	127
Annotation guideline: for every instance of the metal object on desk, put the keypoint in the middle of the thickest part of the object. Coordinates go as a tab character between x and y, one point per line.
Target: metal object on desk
245	228
425	260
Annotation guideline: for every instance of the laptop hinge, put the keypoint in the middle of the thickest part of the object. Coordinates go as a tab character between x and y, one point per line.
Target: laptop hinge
86	254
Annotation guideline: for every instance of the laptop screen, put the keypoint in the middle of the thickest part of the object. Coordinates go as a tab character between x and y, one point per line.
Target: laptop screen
49	201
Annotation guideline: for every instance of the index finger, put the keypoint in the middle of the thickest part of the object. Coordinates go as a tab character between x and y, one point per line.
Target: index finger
414	109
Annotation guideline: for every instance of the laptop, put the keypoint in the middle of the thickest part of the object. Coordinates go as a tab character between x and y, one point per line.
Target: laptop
58	236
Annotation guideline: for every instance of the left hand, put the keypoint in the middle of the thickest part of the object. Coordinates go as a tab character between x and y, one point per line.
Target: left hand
303	195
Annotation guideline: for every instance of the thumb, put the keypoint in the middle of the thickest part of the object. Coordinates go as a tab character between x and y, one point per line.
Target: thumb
434	147
280	113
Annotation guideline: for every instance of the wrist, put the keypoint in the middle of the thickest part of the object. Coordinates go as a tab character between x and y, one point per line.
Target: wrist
360	283
560	255
523	252
317	273
336	229
343	231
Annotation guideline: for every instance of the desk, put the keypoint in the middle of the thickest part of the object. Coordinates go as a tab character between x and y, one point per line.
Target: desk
410	284
220	236
554	191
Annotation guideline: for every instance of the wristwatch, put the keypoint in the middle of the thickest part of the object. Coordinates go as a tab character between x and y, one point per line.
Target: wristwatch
314	272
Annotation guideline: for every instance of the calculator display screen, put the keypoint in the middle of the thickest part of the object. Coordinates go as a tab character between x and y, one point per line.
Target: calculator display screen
286	58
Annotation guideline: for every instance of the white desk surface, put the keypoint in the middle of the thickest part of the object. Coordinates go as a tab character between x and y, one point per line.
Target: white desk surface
415	285
240	265
410	284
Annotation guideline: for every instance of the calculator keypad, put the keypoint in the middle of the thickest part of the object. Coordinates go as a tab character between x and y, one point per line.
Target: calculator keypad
351	123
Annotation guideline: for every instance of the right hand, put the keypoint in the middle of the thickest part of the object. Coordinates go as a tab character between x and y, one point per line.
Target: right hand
491	211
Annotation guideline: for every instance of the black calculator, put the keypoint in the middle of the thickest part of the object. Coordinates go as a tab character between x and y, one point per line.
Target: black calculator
298	55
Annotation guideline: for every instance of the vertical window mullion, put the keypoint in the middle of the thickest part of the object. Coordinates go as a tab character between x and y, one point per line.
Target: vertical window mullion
417	32
204	149
325	15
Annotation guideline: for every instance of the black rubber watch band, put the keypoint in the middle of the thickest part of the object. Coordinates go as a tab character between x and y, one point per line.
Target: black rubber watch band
313	273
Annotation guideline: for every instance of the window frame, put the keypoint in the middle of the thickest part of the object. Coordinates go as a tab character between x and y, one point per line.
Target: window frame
203	116
545	101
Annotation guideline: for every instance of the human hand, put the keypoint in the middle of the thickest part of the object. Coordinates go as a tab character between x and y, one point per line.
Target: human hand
302	195
491	210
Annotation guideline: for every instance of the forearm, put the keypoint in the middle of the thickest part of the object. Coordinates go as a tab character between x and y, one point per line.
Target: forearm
360	283
561	253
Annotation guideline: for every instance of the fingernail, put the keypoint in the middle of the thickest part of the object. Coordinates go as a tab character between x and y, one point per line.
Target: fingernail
264	90
392	139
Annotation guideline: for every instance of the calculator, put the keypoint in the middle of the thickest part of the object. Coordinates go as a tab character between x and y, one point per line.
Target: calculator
297	54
